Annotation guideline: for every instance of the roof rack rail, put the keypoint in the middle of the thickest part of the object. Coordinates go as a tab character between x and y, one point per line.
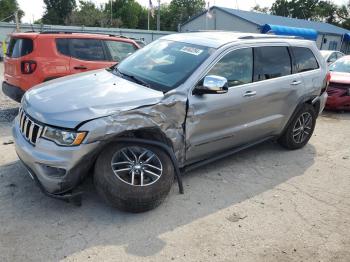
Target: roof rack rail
79	32
269	36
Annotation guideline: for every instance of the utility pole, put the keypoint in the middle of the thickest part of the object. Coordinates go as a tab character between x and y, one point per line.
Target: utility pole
17	21
158	16
111	12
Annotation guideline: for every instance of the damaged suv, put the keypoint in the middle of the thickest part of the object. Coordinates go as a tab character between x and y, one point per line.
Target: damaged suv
182	101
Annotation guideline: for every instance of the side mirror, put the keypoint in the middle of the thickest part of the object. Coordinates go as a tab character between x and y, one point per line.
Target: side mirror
212	84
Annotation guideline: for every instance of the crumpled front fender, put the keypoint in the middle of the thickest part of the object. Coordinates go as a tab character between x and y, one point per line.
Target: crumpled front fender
168	115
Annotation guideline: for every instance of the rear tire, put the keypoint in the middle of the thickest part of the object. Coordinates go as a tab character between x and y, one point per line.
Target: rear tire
300	129
120	183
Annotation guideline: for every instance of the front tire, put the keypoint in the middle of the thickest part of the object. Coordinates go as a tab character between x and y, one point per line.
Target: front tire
300	129
133	177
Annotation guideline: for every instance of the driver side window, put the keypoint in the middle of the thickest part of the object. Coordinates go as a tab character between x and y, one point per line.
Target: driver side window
236	67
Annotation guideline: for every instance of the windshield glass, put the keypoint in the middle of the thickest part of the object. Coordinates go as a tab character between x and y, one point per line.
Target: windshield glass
340	66
163	64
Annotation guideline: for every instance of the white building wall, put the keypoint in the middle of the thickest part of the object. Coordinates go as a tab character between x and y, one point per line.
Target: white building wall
219	20
228	22
330	42
202	22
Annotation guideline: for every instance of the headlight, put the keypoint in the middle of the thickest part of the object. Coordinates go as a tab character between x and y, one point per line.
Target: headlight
63	137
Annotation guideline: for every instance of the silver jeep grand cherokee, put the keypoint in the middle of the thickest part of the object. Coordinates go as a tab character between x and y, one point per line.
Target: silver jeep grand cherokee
182	101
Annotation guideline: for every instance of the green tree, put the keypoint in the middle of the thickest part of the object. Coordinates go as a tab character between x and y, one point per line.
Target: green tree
316	10
306	9
260	9
8	9
88	14
58	11
181	10
125	13
343	12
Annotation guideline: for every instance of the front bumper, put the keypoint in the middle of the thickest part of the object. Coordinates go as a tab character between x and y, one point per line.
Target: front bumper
13	92
57	169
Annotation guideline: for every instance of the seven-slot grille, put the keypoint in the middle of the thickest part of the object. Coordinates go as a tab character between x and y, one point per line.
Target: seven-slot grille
29	129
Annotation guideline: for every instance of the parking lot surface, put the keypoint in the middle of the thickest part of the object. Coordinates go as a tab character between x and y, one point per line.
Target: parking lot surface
263	204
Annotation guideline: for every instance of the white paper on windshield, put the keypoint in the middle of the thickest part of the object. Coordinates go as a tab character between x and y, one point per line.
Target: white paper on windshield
191	50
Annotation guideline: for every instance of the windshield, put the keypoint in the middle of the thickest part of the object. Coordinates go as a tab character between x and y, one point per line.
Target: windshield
340	66
163	64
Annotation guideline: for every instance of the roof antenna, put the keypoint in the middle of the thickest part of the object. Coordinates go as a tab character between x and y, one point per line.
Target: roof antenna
237	6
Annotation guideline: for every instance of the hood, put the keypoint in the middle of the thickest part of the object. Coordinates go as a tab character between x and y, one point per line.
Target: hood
340	77
68	101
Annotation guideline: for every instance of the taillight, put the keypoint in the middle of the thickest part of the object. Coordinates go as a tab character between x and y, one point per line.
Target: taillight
28	67
328	77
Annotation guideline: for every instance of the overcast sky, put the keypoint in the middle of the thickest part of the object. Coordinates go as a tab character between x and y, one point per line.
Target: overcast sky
34	8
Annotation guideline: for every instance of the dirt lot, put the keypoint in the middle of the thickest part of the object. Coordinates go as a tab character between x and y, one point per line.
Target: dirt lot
264	204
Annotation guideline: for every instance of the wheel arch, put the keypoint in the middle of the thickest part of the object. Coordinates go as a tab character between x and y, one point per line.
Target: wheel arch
148	136
310	100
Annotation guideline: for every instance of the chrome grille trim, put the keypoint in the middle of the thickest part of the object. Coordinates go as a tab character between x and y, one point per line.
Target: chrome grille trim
30	130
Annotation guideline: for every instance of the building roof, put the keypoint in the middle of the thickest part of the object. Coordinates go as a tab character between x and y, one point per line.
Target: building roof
261	19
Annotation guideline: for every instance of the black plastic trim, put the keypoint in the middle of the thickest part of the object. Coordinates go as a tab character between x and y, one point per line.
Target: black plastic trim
13	92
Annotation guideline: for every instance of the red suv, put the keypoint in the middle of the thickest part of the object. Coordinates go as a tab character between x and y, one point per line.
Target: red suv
33	58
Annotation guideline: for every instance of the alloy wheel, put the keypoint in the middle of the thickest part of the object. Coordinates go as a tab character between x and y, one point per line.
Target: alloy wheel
302	128
136	166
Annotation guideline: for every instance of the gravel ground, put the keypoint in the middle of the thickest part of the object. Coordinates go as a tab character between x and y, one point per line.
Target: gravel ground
263	204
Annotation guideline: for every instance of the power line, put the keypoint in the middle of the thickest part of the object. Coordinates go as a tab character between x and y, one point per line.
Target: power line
7	17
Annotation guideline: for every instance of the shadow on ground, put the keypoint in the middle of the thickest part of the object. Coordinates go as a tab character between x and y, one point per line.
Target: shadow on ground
30	219
8	114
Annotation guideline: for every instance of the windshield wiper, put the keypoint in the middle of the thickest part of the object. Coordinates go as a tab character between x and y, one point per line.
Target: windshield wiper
134	78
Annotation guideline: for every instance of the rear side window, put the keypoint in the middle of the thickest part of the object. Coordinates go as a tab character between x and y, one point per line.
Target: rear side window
304	59
19	47
62	45
119	50
87	49
271	62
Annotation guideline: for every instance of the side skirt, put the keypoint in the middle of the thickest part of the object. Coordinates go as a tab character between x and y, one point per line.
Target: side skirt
224	154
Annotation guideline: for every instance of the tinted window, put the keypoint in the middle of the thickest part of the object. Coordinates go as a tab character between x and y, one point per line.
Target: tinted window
120	50
19	47
87	49
304	59
63	46
271	62
236	66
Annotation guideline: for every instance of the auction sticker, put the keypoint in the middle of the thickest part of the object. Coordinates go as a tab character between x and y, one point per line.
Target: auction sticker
191	50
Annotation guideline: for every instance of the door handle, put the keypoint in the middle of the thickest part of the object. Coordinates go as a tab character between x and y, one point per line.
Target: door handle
80	67
295	83
249	93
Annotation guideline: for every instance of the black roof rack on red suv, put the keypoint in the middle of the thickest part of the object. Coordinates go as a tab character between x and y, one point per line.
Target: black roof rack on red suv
77	32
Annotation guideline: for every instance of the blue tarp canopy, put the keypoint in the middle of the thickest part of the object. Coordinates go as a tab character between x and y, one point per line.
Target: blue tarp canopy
306	33
347	37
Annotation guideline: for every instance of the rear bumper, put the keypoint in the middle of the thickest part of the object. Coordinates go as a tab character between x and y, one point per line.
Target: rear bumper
13	92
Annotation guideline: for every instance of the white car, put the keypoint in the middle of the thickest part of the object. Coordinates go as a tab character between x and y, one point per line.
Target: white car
331	56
